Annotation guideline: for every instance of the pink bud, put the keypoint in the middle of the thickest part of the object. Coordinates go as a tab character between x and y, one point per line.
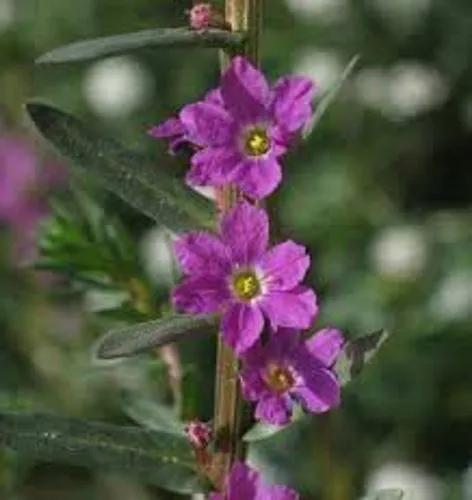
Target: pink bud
199	434
200	16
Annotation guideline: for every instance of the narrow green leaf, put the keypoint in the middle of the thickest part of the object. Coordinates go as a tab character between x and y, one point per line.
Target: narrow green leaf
136	339
127	174
158	458
147	39
357	353
330	96
151	415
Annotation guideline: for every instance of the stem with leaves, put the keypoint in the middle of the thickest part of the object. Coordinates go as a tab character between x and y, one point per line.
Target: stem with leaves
241	15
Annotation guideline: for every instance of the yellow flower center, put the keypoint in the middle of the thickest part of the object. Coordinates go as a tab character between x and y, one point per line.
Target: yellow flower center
278	378
257	142
246	285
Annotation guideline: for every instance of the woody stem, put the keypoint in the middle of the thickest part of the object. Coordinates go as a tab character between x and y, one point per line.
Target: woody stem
241	15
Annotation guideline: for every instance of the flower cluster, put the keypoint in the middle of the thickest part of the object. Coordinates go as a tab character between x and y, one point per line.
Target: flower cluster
237	135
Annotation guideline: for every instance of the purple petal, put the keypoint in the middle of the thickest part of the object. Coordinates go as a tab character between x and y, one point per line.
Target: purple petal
284	265
242	325
166	129
252	385
207	124
291	104
326	345
245	229
243	483
321	391
277	492
214	97
212	166
245	90
274	409
258	177
202	253
201	294
294	309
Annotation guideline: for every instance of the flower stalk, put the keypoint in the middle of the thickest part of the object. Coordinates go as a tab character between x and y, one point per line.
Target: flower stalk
240	15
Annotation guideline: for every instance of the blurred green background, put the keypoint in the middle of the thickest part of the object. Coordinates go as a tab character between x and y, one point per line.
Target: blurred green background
380	193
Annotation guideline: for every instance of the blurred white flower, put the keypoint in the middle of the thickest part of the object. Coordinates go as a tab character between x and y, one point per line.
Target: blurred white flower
416	483
467	113
414	88
402	14
400	252
157	255
453	299
403	91
116	87
323	67
7	14
323	11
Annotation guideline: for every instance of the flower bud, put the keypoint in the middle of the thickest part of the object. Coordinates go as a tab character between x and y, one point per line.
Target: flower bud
199	434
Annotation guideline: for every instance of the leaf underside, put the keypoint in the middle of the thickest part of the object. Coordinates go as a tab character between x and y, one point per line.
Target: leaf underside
147	39
159	458
127	174
142	337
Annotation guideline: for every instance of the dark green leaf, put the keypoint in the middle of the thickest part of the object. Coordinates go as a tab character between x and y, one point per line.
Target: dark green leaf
357	353
129	42
152	415
135	339
159	458
330	95
125	173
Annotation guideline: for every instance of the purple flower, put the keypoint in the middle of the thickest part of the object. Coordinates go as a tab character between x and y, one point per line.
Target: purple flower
237	275
245	483
240	136
174	130
288	370
23	185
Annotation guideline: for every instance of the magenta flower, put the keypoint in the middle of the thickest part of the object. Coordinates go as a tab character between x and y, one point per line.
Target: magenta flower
174	130
237	275
24	184
287	370
245	483
240	135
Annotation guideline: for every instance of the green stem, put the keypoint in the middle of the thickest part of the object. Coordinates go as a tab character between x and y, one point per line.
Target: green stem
241	15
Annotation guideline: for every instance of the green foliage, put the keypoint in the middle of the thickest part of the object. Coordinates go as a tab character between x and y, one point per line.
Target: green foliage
158	458
147	39
135	339
89	245
127	174
329	97
357	353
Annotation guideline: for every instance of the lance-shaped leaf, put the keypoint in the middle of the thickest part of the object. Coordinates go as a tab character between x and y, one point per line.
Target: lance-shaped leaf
147	39
357	353
127	174
158	458
330	96
136	339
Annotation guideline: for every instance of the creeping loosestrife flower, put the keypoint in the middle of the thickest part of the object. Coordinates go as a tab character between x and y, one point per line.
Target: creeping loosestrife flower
287	370
240	134
245	483
237	275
